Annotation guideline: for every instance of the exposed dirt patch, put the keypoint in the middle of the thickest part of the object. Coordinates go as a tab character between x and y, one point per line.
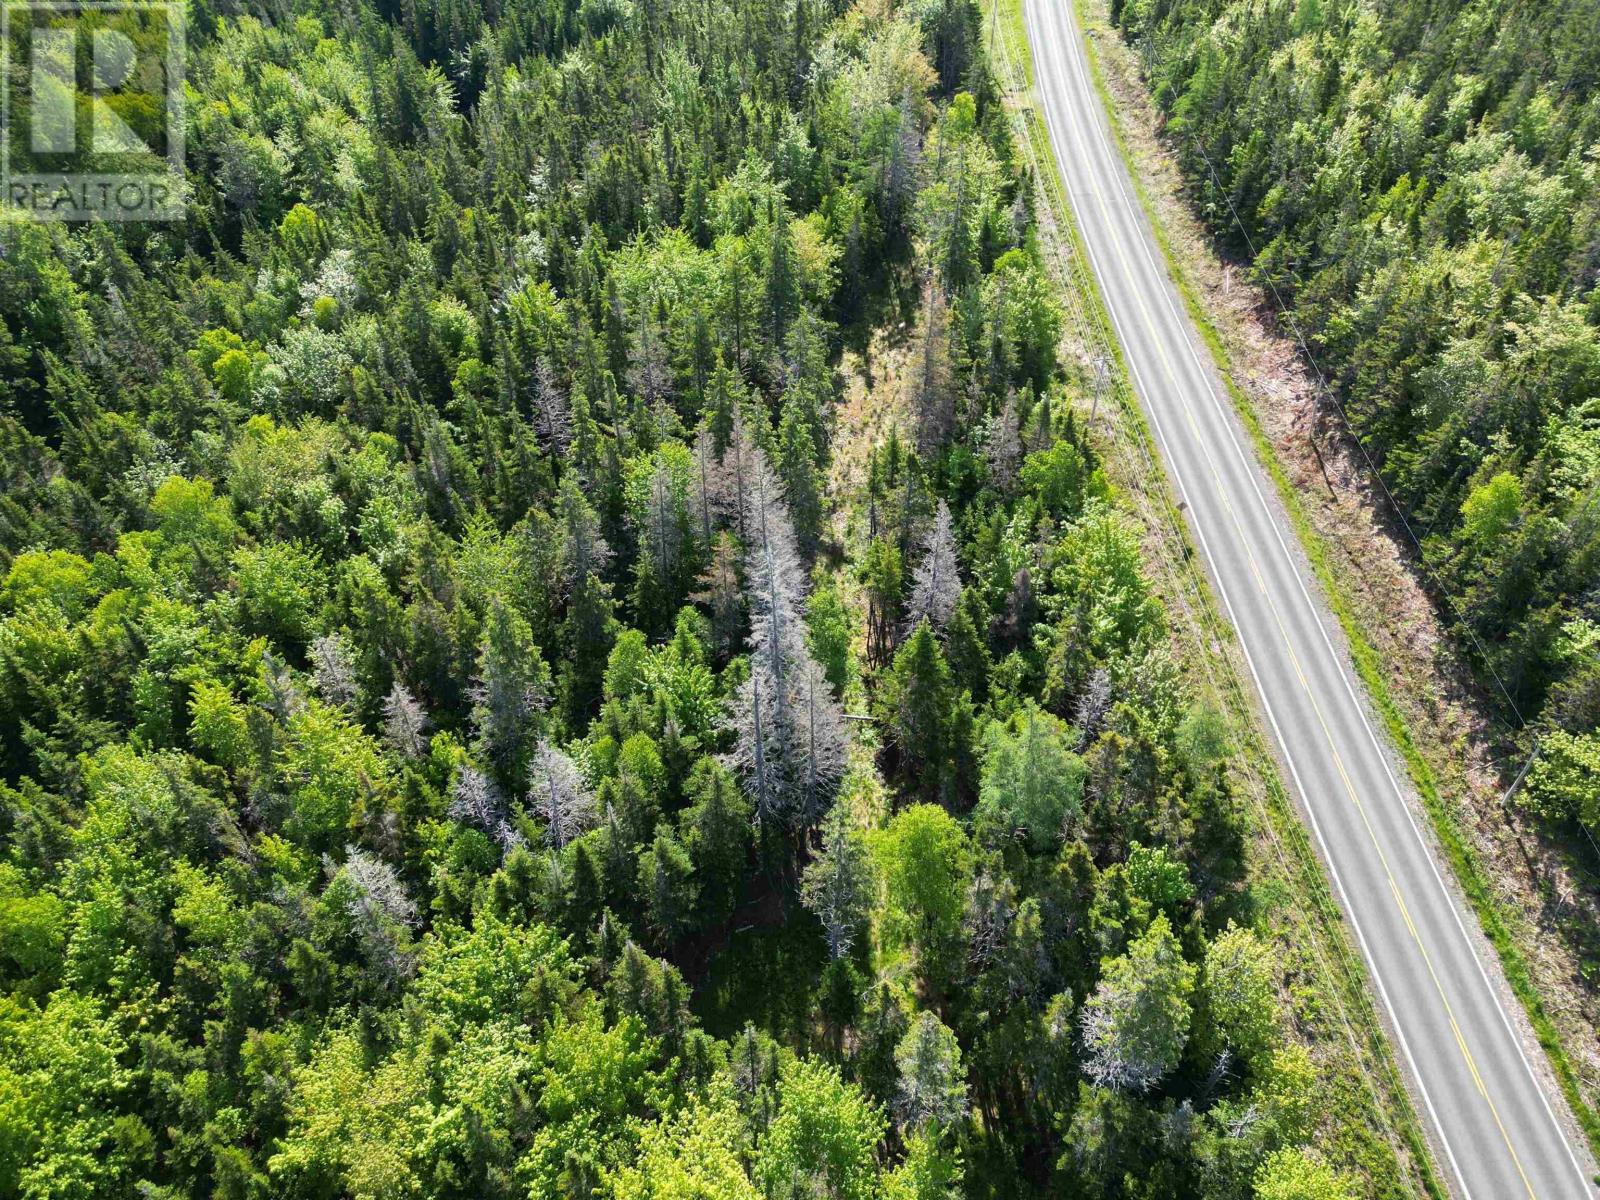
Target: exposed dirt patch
1551	909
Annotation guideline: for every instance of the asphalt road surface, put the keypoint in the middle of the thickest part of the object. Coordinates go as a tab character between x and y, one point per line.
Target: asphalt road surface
1499	1126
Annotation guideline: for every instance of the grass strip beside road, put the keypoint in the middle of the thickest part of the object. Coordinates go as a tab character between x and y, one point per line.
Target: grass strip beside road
1446	826
1365	1137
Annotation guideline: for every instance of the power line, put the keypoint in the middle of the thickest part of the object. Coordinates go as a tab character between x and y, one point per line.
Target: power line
1372	466
1322	382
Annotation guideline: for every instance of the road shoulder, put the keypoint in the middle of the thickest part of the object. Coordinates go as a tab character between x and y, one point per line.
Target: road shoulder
1529	907
1369	1121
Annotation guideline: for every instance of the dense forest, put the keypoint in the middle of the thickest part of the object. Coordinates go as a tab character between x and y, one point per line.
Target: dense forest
1421	184
470	726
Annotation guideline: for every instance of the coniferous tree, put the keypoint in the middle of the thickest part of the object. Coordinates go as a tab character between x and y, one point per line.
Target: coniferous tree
966	647
559	794
927	721
782	285
820	742
933	1089
552	419
936	582
882	579
334	670
284	700
667	886
382	912
723	594
588	627
704	499
649	373
1003	444
789	729
509	691
1136	1023
797	467
405	723
475	800
837	885
352	521
715	830
808	386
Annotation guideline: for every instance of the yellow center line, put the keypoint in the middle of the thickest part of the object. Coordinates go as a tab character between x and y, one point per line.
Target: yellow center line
1216	479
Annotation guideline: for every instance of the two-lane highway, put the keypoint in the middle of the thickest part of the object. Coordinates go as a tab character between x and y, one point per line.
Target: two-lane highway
1493	1115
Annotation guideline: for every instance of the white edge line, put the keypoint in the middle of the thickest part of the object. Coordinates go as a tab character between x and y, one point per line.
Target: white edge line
1283	743
1252	469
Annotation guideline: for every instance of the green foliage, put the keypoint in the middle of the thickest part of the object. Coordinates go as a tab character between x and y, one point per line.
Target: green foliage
55	577
667	886
932	1091
1565	780
692	1156
926	865
279	591
594	1081
373	563
1025	321
59	1068
1060	479
1295	1175
821	1139
929	1172
1136	1024
217	724
32	930
1277	1112
838	886
1155	878
337	769
928	720
493	972
828	628
1032	783
1240	981
1438	271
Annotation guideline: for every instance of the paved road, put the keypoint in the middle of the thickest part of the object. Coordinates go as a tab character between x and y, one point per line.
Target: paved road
1494	1114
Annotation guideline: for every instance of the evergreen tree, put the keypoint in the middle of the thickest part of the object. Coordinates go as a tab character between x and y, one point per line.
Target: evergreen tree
933	1090
881	573
838	883
509	690
927	721
667	886
797	468
1032	782
715	830
1136	1023
587	630
782	283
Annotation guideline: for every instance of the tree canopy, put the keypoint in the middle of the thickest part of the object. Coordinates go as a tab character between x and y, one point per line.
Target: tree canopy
561	636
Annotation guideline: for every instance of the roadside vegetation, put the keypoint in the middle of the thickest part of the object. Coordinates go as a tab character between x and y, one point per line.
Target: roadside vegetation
1368	1113
1422	192
1530	873
462	737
